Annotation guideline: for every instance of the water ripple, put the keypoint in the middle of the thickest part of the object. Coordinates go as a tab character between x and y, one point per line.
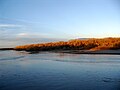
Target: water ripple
12	58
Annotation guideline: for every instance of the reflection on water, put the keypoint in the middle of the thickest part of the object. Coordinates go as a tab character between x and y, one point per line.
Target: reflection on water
58	71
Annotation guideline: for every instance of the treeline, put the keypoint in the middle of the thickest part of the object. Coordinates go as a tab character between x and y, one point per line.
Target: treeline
76	44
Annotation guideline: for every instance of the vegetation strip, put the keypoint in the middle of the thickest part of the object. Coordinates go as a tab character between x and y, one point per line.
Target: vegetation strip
76	44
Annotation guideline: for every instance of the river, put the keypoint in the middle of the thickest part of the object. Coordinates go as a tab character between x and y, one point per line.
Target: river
58	71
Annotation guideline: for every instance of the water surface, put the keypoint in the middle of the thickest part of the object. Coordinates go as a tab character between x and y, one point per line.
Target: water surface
58	71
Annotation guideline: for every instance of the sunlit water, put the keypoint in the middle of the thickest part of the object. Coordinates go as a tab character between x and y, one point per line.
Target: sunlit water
58	71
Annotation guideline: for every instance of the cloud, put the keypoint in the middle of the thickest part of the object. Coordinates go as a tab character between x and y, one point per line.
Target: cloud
22	34
9	25
18	21
33	34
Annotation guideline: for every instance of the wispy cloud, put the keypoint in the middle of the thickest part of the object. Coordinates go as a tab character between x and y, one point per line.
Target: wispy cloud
22	21
22	34
9	25
33	34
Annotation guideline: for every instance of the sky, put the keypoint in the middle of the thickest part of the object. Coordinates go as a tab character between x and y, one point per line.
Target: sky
49	20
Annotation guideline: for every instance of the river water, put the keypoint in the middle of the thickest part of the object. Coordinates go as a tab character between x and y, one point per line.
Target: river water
58	71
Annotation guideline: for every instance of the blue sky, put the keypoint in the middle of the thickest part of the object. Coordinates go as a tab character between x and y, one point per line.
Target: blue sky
62	19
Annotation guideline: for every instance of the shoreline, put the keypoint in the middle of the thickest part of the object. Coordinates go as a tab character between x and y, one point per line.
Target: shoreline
76	46
110	52
6	48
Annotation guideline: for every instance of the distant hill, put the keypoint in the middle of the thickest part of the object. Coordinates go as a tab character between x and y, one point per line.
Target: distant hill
83	38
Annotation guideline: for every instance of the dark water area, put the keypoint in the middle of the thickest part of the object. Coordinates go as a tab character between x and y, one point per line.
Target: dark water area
58	71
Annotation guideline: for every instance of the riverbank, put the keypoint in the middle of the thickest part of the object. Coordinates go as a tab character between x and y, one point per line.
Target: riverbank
76	46
114	52
6	48
81	46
